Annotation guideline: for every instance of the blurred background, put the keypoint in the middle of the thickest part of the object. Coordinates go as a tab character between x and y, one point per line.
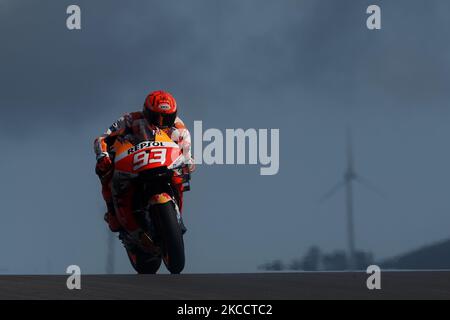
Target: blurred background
310	68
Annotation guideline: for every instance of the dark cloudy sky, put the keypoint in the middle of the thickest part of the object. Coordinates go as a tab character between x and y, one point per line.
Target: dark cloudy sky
308	67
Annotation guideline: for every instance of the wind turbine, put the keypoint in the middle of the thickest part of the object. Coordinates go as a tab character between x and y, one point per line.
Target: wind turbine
349	177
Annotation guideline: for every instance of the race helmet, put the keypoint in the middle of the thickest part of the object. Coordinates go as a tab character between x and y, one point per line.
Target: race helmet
160	109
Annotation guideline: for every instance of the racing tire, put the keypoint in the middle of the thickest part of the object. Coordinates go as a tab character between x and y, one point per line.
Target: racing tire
172	238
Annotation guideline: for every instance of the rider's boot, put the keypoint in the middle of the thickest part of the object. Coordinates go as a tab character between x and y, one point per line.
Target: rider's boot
111	219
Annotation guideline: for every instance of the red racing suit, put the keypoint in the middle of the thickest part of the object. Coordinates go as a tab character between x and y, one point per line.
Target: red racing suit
135	124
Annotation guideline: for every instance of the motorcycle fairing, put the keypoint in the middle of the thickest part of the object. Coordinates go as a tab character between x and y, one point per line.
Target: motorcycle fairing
145	155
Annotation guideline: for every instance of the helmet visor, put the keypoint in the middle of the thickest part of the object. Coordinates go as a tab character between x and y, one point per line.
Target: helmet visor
162	120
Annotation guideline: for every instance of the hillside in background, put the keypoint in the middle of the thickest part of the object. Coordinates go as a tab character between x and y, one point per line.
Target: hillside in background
434	256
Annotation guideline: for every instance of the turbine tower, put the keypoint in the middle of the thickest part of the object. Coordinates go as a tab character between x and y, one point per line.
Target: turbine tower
110	256
350	176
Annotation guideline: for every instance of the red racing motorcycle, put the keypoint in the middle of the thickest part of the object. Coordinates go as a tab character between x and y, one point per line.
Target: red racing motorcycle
141	185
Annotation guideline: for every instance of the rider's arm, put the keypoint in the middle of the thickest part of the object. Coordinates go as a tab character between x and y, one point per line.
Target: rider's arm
106	139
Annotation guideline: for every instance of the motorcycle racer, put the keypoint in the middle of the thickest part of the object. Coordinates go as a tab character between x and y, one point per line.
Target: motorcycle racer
159	113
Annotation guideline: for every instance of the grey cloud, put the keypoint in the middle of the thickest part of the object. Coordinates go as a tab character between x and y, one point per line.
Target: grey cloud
307	67
213	54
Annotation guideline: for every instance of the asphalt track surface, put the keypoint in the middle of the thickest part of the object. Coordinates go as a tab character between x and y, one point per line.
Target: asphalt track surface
266	286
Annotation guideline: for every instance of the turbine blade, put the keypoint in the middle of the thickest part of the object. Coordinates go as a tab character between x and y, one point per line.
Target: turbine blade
332	191
370	186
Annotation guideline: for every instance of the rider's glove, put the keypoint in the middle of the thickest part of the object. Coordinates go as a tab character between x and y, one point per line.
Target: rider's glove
190	166
104	166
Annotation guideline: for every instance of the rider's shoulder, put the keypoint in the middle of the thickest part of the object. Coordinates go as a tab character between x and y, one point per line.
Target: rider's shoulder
137	115
129	117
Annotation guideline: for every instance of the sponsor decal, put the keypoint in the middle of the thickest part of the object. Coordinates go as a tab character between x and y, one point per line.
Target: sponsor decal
147	144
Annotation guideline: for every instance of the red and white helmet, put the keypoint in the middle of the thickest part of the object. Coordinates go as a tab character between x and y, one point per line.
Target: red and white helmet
160	109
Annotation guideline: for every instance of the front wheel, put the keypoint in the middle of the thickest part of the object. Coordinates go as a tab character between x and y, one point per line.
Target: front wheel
144	263
172	238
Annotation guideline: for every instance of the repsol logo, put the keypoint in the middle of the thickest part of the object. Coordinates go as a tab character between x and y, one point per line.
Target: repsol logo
146	144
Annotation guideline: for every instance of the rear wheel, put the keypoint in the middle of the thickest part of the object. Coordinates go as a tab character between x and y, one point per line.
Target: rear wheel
172	238
144	263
